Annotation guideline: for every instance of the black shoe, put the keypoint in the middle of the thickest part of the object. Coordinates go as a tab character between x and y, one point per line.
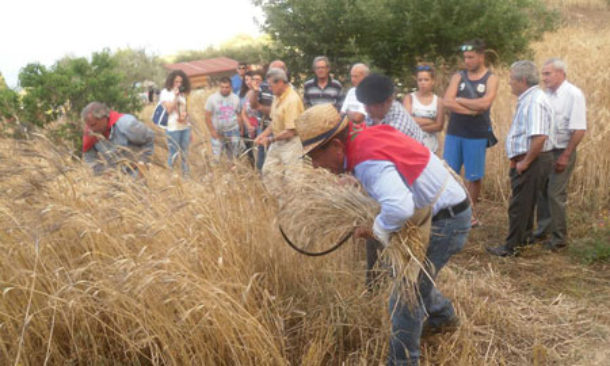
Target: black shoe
548	245
450	325
501	251
535	238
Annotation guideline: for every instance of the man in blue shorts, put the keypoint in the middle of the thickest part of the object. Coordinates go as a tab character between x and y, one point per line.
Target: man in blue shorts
469	97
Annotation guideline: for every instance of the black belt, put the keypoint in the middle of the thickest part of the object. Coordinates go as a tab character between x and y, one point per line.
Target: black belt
449	212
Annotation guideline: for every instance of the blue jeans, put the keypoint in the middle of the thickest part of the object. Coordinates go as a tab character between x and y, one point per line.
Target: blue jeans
260	156
447	238
178	144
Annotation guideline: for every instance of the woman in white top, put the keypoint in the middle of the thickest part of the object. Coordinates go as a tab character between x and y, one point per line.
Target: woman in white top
178	131
426	107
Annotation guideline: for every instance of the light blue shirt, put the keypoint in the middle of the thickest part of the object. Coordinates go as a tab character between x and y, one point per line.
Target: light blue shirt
398	200
533	117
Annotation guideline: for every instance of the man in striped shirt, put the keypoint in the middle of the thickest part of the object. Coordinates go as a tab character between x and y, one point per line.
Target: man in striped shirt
322	88
528	146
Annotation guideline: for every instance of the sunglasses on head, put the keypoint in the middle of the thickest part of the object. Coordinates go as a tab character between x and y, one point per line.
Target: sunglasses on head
469	47
242	67
423	68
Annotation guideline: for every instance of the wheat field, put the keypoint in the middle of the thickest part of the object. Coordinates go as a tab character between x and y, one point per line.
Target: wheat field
172	271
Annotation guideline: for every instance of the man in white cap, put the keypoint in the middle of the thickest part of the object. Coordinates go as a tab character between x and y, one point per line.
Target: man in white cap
402	175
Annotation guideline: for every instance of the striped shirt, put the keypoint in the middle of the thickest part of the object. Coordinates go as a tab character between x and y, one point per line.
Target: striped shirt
400	119
533	117
331	93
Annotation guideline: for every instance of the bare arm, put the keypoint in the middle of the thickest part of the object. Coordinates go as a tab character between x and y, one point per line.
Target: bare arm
355	117
426	124
208	122
564	158
484	103
450	97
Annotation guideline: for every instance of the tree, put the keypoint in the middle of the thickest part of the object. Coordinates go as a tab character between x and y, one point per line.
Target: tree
394	34
243	48
137	66
68	86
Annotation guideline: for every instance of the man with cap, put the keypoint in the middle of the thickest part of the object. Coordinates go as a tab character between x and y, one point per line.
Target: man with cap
402	175
376	92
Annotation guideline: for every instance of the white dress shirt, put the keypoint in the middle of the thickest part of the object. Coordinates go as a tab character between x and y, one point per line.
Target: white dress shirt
570	112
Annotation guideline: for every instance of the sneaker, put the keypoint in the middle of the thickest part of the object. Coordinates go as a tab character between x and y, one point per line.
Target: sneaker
501	251
450	325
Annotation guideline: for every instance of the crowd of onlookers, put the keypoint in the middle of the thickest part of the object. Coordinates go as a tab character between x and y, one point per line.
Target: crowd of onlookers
389	146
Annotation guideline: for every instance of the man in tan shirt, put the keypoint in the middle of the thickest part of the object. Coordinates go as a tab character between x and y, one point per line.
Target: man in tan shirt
285	148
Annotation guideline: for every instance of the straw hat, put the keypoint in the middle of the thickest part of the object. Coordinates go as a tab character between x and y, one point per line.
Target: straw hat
319	124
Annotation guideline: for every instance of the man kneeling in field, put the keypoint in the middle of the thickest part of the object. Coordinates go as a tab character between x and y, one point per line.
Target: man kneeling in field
402	175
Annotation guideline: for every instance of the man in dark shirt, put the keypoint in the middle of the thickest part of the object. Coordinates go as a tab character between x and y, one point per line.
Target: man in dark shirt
322	88
469	97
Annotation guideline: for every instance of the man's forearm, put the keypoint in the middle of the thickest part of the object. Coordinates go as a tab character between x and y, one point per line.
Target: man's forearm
285	135
575	139
478	104
536	146
455	107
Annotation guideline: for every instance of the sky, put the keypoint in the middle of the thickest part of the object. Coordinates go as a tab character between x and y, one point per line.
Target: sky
44	31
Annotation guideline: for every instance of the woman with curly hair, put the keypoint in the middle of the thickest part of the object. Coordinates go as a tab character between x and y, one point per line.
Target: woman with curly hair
178	130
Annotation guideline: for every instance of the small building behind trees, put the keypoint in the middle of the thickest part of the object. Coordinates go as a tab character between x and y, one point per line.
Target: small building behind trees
207	72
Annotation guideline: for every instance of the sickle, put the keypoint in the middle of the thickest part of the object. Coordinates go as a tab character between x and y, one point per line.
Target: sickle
316	254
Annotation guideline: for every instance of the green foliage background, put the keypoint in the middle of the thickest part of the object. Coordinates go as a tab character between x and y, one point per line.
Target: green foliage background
392	35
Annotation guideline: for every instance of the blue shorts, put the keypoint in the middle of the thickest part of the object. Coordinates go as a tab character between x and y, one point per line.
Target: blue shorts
468	152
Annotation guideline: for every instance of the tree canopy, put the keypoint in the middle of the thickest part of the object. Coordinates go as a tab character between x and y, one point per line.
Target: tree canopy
392	35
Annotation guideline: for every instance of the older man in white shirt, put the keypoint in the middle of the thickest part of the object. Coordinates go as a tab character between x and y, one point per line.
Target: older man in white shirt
570	112
351	105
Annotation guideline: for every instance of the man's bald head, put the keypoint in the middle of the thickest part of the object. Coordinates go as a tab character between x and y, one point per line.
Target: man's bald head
278	64
358	72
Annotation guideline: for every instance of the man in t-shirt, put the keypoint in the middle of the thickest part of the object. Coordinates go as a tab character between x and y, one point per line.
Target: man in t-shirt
351	105
469	98
221	117
322	88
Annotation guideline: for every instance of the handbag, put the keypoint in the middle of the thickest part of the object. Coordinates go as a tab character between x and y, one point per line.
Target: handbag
491	138
160	115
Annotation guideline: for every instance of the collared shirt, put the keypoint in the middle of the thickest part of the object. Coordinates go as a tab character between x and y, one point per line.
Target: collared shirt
284	111
533	117
570	112
351	103
400	119
398	200
129	139
331	93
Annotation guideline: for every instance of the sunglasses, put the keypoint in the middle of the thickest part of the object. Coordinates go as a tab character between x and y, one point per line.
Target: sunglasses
242	67
469	47
423	68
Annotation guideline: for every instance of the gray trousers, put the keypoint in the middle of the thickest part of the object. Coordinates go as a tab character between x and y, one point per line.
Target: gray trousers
524	189
552	198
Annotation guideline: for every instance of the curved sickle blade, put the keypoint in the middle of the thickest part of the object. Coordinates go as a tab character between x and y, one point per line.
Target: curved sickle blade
315	254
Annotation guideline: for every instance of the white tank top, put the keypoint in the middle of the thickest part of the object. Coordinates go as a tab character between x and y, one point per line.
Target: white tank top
430	140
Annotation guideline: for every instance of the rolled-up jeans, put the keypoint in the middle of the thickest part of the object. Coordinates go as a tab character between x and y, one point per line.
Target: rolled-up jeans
228	144
447	237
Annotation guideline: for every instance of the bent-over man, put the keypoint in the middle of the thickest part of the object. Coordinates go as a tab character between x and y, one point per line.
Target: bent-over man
111	138
402	175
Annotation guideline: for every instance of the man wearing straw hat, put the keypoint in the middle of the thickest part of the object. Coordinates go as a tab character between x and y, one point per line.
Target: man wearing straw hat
285	148
403	176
